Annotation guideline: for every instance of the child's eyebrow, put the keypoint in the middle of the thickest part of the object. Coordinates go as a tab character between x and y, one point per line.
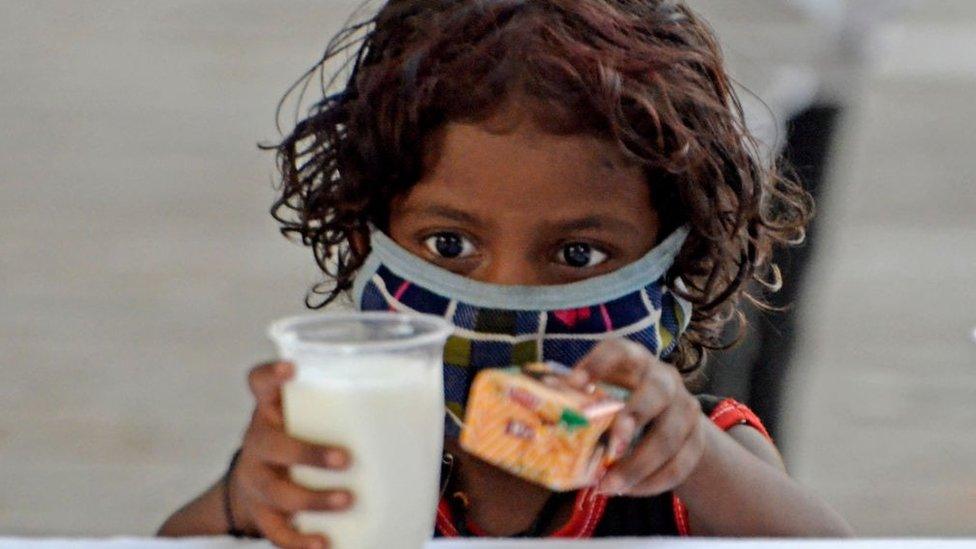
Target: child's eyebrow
600	222
446	212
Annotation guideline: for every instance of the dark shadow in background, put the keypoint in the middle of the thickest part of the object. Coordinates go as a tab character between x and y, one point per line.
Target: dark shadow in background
757	369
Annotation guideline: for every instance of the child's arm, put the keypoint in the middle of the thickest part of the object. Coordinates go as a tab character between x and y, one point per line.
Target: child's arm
733	491
733	484
262	498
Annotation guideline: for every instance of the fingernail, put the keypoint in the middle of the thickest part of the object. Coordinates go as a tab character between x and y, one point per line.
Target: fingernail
316	544
623	431
335	459
282	369
617	449
622	446
339	499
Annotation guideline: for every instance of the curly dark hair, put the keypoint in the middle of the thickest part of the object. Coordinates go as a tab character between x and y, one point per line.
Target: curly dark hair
646	74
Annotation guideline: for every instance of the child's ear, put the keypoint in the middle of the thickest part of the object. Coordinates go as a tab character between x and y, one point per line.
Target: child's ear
359	241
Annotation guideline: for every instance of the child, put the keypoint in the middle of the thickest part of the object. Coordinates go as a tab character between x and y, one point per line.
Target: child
575	170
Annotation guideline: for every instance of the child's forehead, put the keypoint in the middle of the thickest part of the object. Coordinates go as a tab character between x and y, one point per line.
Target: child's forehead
528	174
528	154
523	129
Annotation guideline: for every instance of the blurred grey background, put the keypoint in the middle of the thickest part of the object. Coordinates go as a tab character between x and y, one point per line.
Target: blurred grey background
139	267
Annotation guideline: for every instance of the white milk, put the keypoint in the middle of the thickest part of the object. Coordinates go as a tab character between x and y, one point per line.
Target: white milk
388	411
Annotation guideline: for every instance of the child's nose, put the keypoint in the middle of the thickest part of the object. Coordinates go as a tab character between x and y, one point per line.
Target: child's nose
510	270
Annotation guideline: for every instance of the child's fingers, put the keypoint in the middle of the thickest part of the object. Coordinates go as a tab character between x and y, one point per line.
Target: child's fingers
653	396
667	437
622	432
265	381
272	445
278	529
674	472
656	389
277	491
617	361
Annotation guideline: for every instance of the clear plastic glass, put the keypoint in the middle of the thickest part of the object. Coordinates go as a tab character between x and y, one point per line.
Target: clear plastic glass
372	383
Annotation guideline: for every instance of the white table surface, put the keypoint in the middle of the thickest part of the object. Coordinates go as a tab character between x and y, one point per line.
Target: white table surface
619	543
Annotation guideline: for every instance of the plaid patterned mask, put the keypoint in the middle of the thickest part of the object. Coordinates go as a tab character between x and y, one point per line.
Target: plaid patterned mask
500	325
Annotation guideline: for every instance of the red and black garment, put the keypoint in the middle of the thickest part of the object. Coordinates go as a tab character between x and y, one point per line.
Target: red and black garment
597	516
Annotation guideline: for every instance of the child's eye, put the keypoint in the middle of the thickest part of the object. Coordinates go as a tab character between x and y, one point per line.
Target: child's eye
449	245
580	255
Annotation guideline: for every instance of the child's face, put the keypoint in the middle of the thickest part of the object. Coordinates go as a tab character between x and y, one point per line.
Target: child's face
526	207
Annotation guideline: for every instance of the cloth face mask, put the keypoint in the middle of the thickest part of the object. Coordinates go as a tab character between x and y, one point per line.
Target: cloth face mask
501	325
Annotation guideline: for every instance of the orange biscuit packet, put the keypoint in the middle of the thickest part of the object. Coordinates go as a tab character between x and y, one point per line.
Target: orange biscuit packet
529	422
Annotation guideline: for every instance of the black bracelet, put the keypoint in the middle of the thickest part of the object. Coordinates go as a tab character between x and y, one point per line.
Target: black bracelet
232	529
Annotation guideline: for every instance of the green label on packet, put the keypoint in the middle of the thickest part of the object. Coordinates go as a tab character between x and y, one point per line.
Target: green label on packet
572	420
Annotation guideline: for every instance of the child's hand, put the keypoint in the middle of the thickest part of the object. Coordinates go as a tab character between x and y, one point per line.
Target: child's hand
674	439
263	497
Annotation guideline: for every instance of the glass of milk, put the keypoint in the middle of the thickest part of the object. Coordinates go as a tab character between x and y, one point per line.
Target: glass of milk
373	383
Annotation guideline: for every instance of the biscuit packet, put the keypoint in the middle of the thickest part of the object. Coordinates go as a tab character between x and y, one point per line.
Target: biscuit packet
530	422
